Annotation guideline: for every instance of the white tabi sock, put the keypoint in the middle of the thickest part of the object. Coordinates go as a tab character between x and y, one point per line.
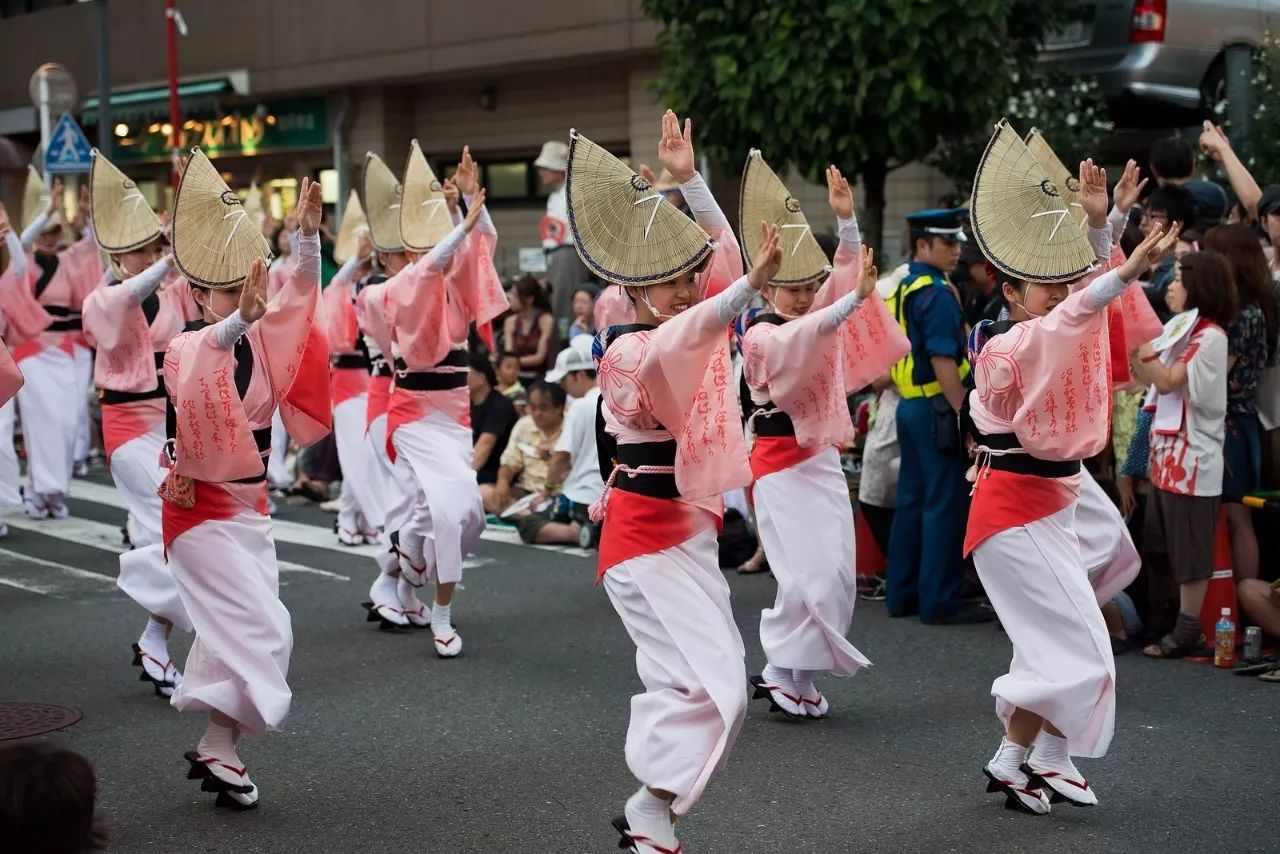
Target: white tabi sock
804	683
219	743
778	676
1051	750
383	591
649	816
1007	762
153	641
441	619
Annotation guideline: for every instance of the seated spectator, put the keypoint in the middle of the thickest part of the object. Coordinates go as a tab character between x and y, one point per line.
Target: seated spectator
573	474
47	798
509	385
523	466
1261	602
492	417
1186	450
584	321
530	332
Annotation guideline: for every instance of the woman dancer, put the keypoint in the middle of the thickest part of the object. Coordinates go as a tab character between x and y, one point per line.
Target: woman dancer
451	285
216	529
802	356
130	323
43	309
1039	407
667	409
360	508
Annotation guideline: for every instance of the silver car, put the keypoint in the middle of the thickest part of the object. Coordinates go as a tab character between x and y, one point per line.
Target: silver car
1159	53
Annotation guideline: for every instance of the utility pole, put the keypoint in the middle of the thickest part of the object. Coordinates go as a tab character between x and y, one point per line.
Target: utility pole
175	112
106	129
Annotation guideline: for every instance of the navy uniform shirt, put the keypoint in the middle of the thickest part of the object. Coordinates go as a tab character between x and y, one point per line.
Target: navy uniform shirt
935	324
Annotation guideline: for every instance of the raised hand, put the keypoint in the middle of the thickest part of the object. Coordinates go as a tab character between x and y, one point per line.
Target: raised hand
768	258
310	208
450	191
869	274
675	148
646	173
465	176
839	194
1214	142
253	294
364	244
1151	252
1129	188
473	213
55	196
1093	193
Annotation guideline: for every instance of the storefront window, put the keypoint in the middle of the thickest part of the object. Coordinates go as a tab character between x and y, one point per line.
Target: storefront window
507	180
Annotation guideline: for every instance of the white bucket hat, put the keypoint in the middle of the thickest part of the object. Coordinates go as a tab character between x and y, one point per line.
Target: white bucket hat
554	156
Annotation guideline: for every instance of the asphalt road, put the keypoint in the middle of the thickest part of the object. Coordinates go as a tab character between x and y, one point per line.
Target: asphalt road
517	746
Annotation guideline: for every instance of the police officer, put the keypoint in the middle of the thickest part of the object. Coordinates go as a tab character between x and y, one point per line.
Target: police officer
926	565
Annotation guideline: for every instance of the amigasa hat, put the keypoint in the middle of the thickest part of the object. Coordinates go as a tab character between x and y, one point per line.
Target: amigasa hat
35	201
214	237
424	213
382	193
1021	218
353	221
1062	177
122	218
623	228
765	197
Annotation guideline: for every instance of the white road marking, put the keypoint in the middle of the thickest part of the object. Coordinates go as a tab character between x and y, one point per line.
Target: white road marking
42	586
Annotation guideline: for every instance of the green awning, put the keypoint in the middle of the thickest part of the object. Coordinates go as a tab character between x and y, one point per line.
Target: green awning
142	105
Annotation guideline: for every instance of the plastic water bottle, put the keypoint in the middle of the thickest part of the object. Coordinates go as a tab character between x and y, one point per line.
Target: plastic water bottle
1224	648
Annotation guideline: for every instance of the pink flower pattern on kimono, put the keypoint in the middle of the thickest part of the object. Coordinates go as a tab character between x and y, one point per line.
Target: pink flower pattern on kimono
620	382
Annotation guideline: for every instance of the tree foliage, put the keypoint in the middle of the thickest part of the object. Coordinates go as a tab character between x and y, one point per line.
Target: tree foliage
1069	111
866	84
1258	149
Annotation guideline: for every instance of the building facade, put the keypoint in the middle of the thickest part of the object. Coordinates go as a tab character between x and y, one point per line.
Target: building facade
291	88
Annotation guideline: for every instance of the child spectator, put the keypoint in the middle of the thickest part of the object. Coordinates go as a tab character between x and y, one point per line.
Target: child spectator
47	798
1186	447
509	385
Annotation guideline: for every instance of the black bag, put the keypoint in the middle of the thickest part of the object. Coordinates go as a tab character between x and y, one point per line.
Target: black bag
946	426
737	543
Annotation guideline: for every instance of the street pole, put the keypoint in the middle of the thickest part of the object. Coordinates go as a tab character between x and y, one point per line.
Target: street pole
45	130
175	113
105	128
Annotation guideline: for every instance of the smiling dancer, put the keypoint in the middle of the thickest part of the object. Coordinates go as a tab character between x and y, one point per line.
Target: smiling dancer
130	322
224	382
669	421
802	356
1040	405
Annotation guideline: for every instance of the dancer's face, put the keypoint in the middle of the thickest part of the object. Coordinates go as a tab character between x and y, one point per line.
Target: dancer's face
657	303
792	302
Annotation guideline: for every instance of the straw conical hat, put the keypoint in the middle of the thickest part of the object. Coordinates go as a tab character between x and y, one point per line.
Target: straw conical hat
382	192
1020	218
623	228
353	220
424	214
214	238
1062	177
765	197
35	200
122	219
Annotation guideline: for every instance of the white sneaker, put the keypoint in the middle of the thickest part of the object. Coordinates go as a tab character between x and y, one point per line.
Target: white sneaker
1017	789
1063	782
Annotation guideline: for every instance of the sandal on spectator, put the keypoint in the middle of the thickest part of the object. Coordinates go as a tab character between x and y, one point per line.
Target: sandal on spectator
1184	640
1272	675
752	566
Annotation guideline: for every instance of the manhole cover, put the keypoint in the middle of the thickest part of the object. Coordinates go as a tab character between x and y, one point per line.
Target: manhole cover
21	719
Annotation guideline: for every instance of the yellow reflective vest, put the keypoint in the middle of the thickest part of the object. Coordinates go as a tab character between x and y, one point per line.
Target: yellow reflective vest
903	371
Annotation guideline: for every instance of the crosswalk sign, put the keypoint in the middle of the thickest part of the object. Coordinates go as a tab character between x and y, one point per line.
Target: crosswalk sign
68	149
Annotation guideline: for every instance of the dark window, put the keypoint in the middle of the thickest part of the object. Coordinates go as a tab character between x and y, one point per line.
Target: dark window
509	180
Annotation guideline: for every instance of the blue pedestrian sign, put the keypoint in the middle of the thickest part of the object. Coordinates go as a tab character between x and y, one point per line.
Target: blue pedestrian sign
68	149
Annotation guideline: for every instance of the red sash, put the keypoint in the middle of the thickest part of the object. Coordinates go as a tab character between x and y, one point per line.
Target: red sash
1004	500
637	525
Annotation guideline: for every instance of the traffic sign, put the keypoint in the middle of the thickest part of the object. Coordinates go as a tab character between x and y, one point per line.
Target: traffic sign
68	150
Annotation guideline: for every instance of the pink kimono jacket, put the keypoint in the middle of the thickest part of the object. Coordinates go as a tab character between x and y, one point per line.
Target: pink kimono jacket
129	356
79	270
214	443
343	334
429	313
10	376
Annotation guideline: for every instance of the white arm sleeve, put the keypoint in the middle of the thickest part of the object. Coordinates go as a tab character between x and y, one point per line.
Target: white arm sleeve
1100	240
733	300
31	232
842	309
17	254
347	270
442	252
483	224
850	236
229	329
145	283
1117	220
705	209
308	249
1105	288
